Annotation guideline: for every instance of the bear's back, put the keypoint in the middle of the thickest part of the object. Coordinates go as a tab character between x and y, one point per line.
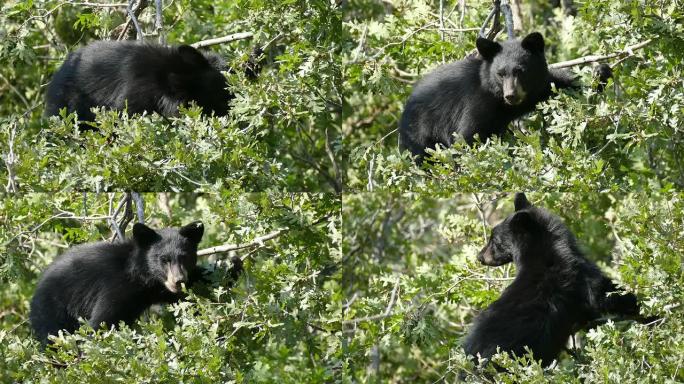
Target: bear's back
448	81
83	266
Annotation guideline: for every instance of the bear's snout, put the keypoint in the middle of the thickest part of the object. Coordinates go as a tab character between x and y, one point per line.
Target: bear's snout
485	256
513	91
175	276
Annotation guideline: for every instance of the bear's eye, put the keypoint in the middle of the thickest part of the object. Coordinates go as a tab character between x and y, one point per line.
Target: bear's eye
165	259
517	71
501	73
495	243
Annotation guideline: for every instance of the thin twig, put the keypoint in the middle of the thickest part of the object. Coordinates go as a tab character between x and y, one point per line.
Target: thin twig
338	175
136	11
273	40
627	52
127	214
98	5
362	41
112	219
197	183
441	26
11	159
16	91
478	205
388	310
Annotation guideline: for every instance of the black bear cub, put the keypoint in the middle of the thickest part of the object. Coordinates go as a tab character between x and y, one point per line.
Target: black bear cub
556	290
478	95
143	77
109	282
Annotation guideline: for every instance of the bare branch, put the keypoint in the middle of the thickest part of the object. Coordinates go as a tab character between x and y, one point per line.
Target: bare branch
478	205
362	41
627	52
517	15
137	10
441	25
388	310
158	22
73	216
257	242
336	169
113	216
127	214
273	40
131	13
224	39
11	159
139	206
16	91
508	18
496	25
98	5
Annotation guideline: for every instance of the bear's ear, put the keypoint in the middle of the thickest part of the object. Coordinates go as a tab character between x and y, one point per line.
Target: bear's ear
193	231
534	42
143	235
522	221
190	58
487	48
215	61
520	202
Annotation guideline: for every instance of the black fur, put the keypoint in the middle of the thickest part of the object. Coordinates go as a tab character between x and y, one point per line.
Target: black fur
470	96
143	77
556	291
602	73
112	282
253	65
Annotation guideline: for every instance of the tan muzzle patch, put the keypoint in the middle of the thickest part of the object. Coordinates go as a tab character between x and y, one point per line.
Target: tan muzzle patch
174	274
487	257
513	91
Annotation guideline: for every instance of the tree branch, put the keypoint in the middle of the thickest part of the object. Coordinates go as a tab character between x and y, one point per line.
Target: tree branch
224	39
627	52
338	175
131	9
158	22
257	242
139	206
388	310
11	159
97	5
113	217
136	11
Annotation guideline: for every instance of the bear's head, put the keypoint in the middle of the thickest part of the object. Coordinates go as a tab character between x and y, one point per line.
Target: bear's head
196	76
515	70
518	234
169	253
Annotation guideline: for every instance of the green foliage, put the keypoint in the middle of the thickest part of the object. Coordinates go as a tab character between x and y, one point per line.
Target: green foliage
628	138
378	284
413	285
278	323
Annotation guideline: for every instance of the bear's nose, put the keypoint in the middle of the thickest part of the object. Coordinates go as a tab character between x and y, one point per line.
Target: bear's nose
510	98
